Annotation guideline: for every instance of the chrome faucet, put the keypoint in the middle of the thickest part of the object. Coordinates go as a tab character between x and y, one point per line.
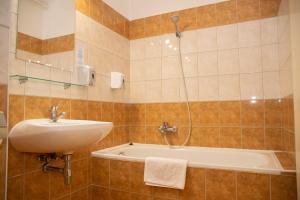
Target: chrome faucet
54	116
166	128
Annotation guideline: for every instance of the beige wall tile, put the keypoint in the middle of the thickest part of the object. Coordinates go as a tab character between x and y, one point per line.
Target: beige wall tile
190	65
170	67
138	92
137	70
249	33
229	87
153	47
271	85
269	55
227	36
170	45
208	88
189	42
153	69
269	30
192	89
208	63
154	91
251	86
228	61
207	39
170	90
137	49
250	60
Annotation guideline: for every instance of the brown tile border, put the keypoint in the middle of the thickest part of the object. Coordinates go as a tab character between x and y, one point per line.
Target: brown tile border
228	12
287	160
238	124
105	15
223	13
45	47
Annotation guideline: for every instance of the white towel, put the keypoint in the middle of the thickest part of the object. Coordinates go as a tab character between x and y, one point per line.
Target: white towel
164	172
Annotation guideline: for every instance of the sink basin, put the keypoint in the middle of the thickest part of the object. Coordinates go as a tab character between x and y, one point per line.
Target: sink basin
64	136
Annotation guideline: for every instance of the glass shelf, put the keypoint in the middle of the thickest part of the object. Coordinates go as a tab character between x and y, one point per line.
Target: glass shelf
23	79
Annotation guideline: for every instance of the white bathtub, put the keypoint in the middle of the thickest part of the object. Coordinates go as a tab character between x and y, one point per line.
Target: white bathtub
202	157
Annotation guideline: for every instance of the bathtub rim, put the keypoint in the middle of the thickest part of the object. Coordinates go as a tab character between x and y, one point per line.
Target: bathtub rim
104	153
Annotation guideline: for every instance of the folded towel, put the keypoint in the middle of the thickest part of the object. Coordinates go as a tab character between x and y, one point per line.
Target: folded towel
164	172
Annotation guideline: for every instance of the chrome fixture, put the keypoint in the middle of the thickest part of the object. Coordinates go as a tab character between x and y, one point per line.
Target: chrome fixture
66	170
175	20
166	128
54	116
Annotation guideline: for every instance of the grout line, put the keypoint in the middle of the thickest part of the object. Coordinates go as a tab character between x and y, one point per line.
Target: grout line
236	185
205	173
270	186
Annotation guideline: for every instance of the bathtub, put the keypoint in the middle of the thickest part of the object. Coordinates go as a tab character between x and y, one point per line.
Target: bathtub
199	157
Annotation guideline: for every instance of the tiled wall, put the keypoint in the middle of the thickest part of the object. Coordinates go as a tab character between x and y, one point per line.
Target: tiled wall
44	47
25	178
231	62
223	115
233	59
234	124
285	72
106	51
121	180
105	15
227	12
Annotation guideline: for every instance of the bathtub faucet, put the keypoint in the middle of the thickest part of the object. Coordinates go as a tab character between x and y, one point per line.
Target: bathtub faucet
166	128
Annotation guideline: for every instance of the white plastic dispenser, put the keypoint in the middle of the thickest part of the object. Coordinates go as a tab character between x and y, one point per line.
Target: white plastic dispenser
84	74
116	80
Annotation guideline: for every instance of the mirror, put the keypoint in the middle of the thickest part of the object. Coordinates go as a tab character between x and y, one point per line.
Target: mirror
45	33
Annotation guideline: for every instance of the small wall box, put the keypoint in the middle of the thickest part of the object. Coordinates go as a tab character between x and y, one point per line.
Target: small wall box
117	80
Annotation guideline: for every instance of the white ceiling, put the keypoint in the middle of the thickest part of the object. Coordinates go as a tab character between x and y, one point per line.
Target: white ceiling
136	9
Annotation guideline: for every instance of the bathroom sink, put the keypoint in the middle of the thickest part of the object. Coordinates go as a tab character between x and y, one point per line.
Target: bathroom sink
63	136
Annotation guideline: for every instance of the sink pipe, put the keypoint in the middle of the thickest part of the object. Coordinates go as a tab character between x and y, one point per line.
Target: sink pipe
66	170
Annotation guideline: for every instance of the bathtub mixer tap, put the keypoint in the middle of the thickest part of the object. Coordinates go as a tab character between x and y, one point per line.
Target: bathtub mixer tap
54	116
166	128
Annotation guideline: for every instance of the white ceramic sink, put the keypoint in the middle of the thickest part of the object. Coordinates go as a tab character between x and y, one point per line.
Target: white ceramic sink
64	136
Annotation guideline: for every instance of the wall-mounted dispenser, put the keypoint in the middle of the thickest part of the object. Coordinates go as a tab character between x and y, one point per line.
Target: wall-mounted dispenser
83	74
117	80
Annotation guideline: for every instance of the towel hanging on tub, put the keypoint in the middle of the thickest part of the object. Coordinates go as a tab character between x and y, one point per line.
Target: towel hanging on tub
165	172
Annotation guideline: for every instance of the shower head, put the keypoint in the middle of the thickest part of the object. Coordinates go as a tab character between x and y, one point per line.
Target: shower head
175	20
